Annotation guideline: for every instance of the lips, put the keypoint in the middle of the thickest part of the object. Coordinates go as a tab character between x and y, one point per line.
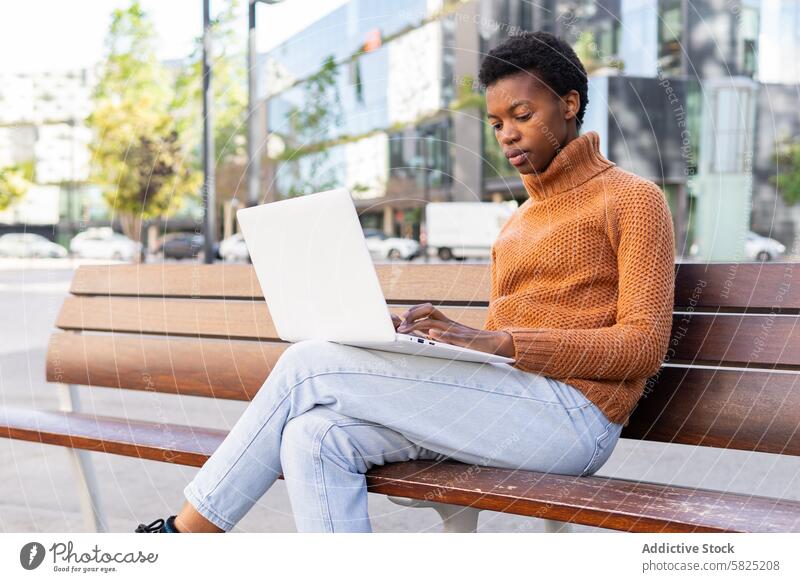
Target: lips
517	157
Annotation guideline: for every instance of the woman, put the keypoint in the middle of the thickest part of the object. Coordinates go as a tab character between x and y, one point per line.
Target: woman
581	297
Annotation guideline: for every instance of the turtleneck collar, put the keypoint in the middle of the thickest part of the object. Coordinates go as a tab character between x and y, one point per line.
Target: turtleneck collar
575	164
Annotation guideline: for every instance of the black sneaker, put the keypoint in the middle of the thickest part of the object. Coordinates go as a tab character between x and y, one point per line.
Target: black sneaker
158	526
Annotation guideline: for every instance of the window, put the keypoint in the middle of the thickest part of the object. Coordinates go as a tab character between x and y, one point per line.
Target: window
731	107
398	161
670	36
748	40
437	145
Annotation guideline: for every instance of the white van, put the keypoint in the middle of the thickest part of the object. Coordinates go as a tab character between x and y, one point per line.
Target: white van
465	229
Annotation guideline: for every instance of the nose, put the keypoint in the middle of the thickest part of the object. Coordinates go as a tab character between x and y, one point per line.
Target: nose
508	136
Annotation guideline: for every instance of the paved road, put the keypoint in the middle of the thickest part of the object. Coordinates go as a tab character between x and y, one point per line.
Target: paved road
36	494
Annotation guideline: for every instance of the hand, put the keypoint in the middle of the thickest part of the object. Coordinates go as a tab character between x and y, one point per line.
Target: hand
427	319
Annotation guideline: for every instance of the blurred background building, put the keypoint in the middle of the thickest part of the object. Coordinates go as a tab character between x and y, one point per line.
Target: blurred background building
381	96
696	96
42	129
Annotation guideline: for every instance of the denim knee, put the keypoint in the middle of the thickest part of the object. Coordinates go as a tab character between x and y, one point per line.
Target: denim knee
311	436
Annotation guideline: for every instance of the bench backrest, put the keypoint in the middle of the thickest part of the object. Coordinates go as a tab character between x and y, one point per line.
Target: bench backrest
731	377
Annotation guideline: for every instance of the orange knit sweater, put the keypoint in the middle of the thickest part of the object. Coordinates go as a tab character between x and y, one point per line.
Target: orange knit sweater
583	277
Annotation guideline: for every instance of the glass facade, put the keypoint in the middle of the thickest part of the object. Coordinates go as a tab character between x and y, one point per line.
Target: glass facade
639	37
779	41
415	149
670	36
377	121
344	113
748	40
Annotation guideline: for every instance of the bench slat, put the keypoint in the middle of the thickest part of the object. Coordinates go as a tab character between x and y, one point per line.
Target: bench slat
739	285
195	317
734	286
755	340
619	504
735	409
736	340
749	411
225	369
182	445
597	501
401	283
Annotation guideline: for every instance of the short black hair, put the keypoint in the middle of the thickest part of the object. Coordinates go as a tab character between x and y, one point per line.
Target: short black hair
548	56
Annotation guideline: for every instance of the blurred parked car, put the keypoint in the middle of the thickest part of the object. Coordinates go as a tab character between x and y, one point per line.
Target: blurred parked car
27	244
103	243
382	246
761	248
185	245
234	248
756	248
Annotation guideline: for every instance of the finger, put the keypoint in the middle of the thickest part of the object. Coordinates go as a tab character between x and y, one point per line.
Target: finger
419	311
396	320
423	325
415	312
449	337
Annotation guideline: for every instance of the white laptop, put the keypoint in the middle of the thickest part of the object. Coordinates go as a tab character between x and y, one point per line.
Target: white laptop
318	279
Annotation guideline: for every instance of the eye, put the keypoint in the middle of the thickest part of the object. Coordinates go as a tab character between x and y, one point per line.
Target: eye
496	126
524	117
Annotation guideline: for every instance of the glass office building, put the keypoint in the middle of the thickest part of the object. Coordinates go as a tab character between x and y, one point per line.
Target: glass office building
394	115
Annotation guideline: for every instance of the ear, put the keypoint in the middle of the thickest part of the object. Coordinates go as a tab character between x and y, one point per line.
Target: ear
571	104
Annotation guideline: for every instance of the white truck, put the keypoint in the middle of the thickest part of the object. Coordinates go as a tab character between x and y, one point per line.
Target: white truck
464	229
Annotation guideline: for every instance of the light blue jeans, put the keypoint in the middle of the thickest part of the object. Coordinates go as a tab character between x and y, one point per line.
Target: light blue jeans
328	413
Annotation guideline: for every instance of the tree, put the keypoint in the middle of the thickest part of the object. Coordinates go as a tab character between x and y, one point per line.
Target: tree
787	178
591	56
310	123
14	183
229	96
137	151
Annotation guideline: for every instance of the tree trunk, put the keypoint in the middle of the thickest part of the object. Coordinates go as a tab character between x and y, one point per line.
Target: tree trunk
132	228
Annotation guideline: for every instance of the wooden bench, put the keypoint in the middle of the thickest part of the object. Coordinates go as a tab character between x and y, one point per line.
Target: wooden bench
729	380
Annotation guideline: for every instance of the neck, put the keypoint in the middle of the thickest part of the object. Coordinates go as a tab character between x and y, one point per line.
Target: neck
577	162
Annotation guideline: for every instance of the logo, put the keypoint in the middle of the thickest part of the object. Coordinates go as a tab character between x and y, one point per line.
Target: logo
31	555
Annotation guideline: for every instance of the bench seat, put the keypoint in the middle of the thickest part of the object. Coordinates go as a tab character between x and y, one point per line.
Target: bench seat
596	501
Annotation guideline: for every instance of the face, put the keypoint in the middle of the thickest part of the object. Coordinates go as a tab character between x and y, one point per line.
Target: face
531	123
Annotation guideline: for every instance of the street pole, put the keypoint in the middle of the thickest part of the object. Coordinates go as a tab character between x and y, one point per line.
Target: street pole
426	195
209	202
253	154
253	157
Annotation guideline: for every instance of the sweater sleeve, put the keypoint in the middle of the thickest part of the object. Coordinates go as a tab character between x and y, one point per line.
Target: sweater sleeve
636	344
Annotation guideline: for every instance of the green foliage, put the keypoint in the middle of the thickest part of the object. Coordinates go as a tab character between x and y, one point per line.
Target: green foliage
321	109
590	55
131	68
787	178
228	87
312	122
14	183
466	96
140	154
137	151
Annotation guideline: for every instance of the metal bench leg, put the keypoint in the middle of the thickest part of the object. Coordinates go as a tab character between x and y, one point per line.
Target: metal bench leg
455	518
552	526
88	494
